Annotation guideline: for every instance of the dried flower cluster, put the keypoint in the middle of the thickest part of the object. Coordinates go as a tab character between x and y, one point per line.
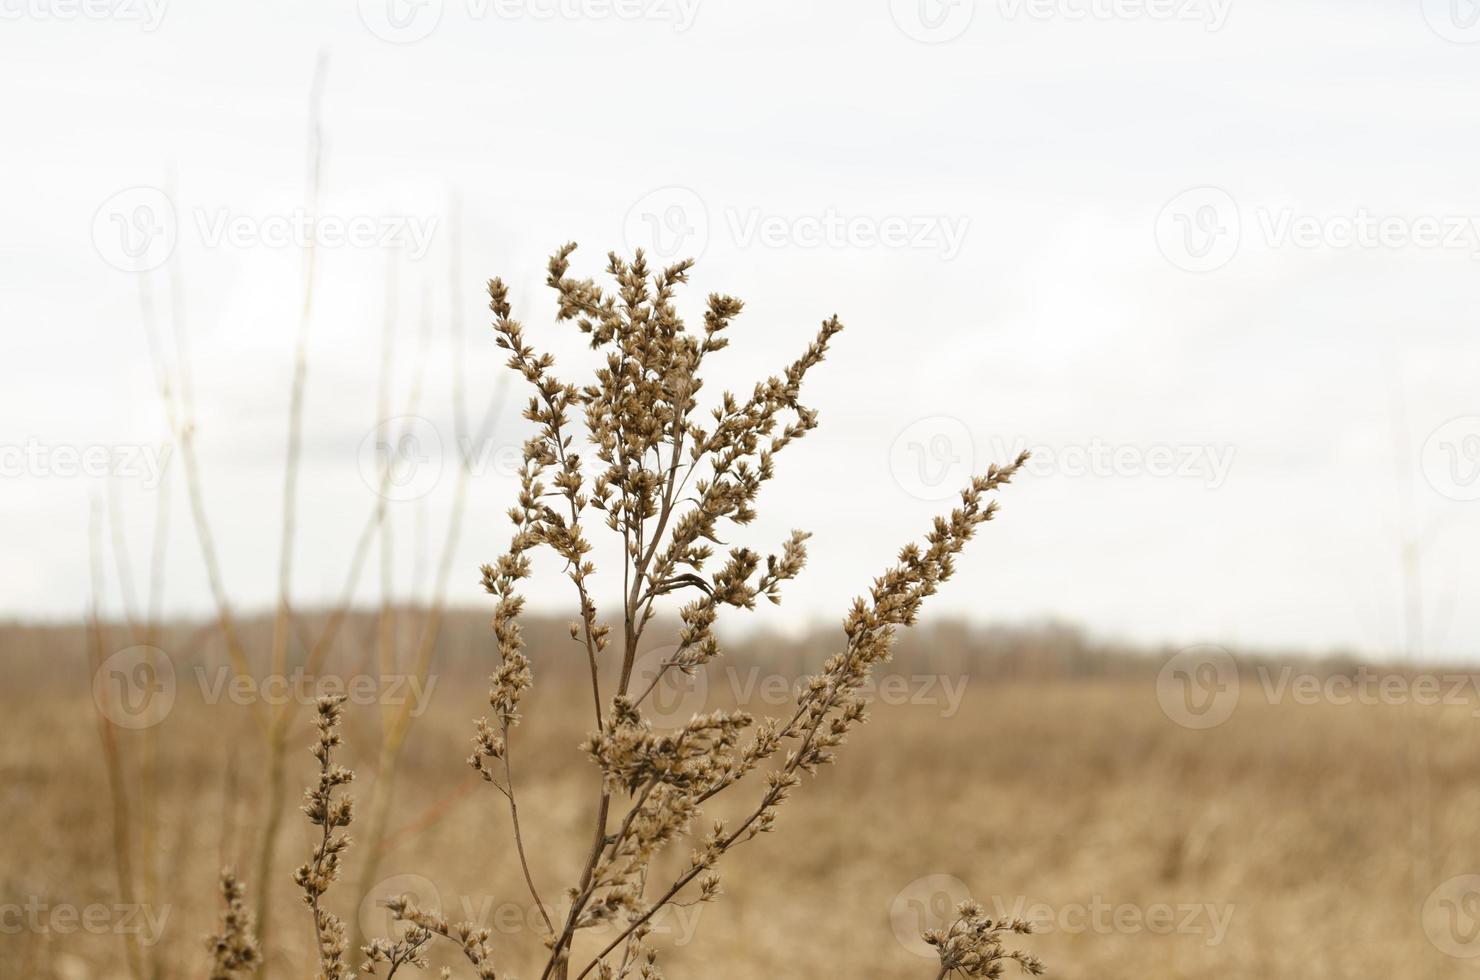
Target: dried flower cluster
670	479
671	485
235	951
330	814
322	870
973	945
398	953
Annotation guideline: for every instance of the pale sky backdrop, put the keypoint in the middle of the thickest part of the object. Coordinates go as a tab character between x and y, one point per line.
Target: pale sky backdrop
1216	260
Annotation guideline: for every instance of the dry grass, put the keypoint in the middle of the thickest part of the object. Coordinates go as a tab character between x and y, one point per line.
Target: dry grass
1305	824
1073	806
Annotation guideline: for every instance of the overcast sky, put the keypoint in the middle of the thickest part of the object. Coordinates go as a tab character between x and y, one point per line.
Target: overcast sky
1214	260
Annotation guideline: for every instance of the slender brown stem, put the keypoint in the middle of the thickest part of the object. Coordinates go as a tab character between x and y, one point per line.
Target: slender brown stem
519	836
397	723
122	821
179	407
276	743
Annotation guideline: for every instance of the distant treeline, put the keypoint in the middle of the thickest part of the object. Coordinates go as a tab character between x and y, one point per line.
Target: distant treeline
38	654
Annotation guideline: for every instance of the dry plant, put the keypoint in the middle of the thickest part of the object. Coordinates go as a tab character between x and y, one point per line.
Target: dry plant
672	481
294	643
972	945
132	786
234	952
176	389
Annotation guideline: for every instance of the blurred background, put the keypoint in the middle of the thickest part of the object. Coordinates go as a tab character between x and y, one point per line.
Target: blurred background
1211	261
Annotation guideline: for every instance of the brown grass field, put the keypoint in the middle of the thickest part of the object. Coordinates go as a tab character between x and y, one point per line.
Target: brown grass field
1292	840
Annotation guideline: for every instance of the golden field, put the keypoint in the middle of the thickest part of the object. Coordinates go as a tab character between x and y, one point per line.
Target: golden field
1294	839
